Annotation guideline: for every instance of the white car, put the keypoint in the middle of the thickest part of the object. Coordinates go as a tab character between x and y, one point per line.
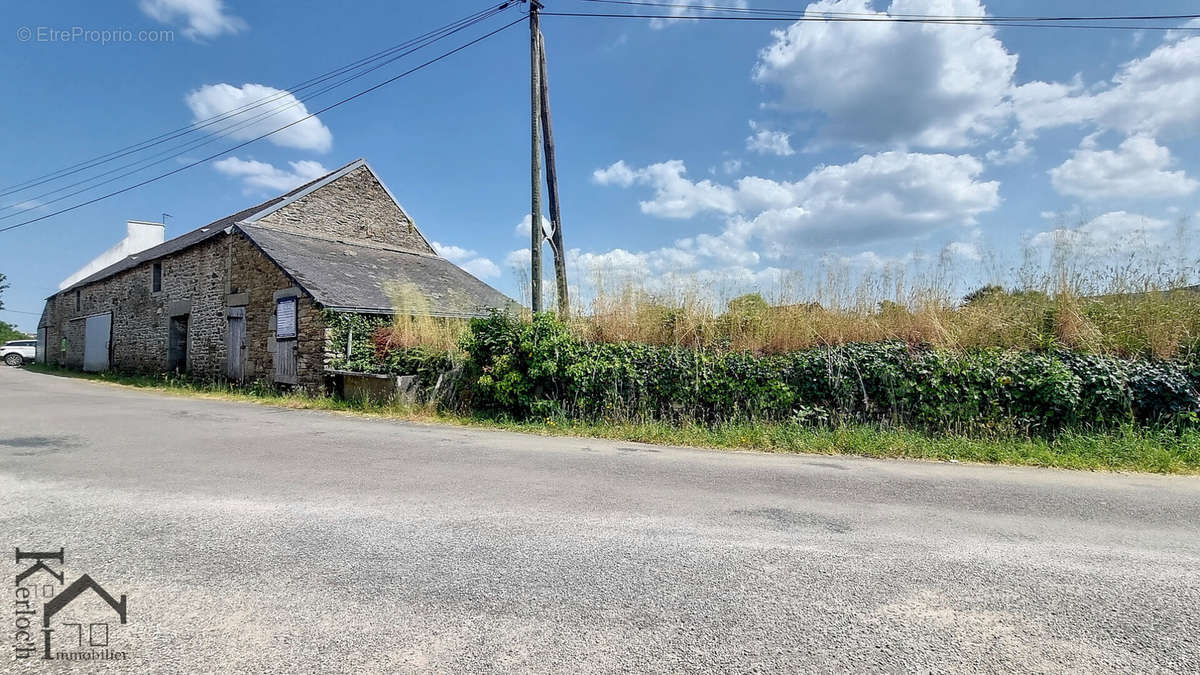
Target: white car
17	352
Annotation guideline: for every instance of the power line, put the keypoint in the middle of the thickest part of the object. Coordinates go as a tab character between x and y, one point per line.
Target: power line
258	138
820	15
963	21
203	123
225	132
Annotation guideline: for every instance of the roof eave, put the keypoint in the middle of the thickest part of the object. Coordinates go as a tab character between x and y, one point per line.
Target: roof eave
390	311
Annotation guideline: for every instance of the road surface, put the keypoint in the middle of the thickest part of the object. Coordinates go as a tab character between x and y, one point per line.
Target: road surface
257	539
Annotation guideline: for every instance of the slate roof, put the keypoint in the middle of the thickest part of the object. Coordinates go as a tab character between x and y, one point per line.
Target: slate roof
354	276
187	239
341	275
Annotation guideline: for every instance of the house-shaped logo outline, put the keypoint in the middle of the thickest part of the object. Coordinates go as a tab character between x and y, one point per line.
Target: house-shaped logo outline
68	594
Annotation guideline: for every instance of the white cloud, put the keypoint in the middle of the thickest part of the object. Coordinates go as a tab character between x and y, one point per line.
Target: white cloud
216	99
678	197
877	197
1158	94
618	174
518	259
1015	154
615	264
1111	231
451	252
1173	35
483	268
880	196
261	175
769	142
963	250
675	196
879	83
681	9
885	196
467	259
1137	169
201	19
659	271
866	260
522	228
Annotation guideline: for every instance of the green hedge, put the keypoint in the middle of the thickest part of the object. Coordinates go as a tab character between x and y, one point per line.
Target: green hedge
539	369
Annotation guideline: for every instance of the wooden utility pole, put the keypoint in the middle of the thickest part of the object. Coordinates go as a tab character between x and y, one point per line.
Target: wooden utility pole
556	239
535	166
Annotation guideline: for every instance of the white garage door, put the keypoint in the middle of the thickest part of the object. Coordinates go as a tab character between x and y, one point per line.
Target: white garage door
96	334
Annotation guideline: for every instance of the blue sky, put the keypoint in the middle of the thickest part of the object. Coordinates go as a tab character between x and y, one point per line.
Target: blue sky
726	152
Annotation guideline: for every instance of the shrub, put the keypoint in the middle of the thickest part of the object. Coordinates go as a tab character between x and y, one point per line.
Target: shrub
366	343
539	369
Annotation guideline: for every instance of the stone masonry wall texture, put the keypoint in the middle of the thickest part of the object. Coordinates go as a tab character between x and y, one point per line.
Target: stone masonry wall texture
355	206
259	278
228	269
140	316
200	278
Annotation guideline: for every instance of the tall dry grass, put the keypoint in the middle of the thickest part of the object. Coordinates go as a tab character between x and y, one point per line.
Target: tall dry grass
413	324
1126	297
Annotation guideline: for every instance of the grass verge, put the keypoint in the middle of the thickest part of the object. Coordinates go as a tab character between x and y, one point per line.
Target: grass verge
1127	449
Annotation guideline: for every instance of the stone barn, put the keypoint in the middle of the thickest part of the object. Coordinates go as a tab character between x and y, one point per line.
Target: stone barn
244	298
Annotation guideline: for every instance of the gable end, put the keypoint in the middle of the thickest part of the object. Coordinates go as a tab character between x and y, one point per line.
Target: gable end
355	207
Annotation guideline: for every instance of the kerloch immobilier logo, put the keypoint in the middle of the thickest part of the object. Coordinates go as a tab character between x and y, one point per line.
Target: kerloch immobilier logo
57	620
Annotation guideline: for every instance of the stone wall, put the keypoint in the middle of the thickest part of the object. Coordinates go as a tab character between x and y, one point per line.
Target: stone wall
257	279
202	281
205	280
355	206
193	282
73	331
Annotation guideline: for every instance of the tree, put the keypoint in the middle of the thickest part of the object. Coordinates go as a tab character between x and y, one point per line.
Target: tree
983	293
750	304
10	332
3	285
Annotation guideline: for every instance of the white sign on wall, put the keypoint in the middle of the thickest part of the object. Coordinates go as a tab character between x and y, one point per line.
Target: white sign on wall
285	318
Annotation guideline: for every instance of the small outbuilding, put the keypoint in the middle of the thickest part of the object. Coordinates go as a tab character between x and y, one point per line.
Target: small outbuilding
245	298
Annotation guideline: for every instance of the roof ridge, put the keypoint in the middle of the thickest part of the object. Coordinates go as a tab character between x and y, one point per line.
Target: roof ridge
175	244
348	241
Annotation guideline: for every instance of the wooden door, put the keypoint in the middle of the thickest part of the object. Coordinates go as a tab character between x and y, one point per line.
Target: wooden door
285	340
235	345
285	361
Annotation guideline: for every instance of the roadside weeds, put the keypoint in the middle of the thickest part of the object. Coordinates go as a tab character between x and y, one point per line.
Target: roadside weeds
1165	451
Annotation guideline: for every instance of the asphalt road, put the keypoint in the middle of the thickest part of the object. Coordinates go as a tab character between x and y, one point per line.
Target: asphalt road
256	539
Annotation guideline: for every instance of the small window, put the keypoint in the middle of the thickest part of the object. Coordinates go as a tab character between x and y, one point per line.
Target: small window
156	277
78	301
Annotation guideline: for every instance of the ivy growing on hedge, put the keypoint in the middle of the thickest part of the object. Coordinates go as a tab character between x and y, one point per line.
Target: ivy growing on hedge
539	369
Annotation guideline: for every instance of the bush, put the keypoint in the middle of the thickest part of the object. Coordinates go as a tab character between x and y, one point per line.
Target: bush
539	368
365	343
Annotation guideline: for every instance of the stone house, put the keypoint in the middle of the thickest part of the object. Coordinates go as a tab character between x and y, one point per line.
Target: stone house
245	297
